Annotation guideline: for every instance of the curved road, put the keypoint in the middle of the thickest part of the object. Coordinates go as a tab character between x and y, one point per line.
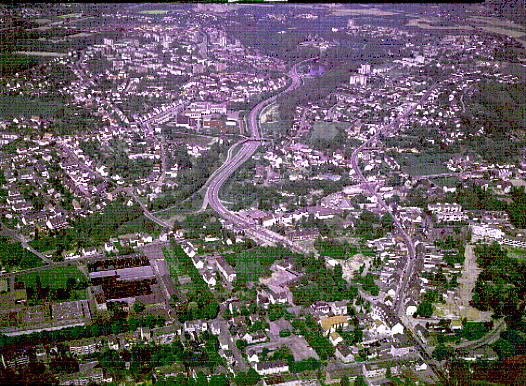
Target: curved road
233	162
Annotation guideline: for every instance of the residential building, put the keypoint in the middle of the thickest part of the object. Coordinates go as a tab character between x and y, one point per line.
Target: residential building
271	367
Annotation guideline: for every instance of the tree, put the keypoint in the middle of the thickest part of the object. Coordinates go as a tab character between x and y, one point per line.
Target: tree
425	309
442	352
359	381
284	333
137	306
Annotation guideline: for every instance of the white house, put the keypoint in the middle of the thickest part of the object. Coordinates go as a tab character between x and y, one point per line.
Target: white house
272	367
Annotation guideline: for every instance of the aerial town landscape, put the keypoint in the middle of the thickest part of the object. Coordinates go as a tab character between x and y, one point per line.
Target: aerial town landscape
263	194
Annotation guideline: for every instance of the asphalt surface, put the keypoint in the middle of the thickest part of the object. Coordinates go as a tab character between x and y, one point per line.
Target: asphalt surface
234	161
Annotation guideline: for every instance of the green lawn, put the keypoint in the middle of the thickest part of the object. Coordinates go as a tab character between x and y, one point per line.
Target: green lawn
425	169
251	264
474	330
249	268
154	12
342	251
324	130
53	277
337	251
446	181
423	163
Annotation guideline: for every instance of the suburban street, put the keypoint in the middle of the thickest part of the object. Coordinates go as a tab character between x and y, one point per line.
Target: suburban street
398	306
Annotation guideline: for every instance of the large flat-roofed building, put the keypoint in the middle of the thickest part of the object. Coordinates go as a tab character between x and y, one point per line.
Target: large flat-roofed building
70	310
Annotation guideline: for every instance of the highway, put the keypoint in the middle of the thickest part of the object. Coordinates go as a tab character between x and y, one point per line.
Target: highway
234	161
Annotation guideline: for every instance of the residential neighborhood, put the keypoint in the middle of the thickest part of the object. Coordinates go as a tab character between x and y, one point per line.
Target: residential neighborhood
240	194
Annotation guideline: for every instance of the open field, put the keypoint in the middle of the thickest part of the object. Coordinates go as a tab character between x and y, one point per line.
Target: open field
423	163
362	12
44	244
424	169
39	53
516	252
13	106
496	22
176	268
446	181
466	282
424	23
154	12
269	114
249	267
508	32
53	277
297	345
324	130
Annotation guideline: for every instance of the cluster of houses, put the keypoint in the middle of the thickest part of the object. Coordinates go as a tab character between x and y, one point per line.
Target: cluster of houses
209	266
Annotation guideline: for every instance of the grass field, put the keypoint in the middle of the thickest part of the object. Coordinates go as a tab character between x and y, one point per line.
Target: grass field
253	263
53	277
12	254
44	244
14	106
154	12
504	31
324	130
446	181
361	12
424	169
423	164
250	269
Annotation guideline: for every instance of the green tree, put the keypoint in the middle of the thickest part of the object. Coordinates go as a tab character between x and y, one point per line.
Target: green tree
359	381
442	352
425	309
137	306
